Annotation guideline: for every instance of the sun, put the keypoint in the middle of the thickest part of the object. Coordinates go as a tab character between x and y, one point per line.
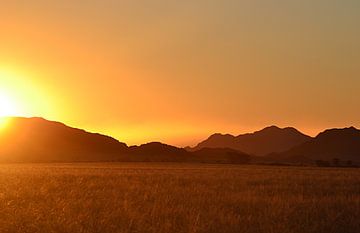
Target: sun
8	106
23	95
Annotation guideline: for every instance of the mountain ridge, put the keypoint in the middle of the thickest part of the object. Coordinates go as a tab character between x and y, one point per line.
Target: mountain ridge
337	143
262	142
35	138
39	140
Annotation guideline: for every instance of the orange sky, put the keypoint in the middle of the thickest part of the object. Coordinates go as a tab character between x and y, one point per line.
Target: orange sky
177	71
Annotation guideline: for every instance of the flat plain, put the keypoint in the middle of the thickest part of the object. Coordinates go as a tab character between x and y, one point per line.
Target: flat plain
177	198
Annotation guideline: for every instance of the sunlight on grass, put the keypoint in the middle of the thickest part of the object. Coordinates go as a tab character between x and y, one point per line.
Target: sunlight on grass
151	198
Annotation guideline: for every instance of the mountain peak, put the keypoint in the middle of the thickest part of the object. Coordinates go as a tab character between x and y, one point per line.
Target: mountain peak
262	142
219	135
339	132
341	143
37	139
272	127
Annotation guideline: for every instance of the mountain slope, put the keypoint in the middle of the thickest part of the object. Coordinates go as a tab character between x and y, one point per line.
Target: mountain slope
159	152
221	155
343	144
38	140
269	140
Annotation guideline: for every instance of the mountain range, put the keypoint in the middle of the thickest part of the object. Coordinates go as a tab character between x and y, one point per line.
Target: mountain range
269	140
40	140
333	144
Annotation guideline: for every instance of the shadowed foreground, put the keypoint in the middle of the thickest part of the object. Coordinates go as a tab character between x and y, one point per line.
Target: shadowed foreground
178	198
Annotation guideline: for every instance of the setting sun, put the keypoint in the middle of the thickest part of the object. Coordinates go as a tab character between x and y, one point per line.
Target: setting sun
8	106
22	95
180	116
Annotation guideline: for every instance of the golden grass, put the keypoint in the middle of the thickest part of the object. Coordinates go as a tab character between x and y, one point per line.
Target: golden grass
172	198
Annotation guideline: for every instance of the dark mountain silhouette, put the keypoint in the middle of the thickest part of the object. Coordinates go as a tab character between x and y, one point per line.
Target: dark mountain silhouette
269	140
221	155
343	144
159	152
39	140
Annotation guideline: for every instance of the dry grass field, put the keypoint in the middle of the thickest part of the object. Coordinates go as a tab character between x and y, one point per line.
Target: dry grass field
174	198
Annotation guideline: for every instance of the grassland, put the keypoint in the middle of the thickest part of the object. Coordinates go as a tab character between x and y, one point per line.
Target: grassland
174	198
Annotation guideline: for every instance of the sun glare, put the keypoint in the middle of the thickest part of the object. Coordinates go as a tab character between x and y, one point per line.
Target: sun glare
4	122
8	107
23	95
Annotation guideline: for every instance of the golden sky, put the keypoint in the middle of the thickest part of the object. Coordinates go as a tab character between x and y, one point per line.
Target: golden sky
177	71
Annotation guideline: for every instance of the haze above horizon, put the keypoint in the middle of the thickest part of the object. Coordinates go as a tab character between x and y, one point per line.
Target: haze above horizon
178	71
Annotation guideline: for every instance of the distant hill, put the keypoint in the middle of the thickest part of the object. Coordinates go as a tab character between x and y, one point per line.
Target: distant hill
159	152
343	144
268	140
39	140
221	155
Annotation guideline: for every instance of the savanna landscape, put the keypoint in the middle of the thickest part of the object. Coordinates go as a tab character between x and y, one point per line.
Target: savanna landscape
168	197
163	116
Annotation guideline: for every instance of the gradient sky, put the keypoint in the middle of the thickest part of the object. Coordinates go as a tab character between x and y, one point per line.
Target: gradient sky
177	71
